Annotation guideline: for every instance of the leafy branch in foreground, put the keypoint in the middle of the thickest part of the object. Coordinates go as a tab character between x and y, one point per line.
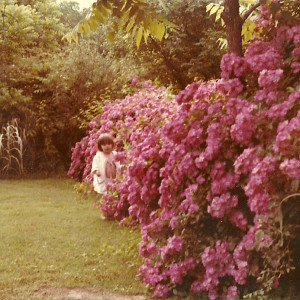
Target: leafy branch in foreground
135	17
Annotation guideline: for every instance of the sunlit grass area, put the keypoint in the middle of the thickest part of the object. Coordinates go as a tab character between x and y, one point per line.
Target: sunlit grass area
50	236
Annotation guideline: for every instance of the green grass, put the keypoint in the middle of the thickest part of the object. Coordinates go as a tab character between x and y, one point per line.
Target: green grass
50	236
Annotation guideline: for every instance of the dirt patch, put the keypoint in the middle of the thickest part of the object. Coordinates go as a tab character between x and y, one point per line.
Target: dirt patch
53	293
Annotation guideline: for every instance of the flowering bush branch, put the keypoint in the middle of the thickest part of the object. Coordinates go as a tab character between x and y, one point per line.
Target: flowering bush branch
205	175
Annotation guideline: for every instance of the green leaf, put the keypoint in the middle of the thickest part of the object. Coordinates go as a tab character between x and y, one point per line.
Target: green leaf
86	27
218	16
129	26
80	28
209	7
160	31
75	36
110	36
126	5
214	9
157	30
104	11
146	35
93	23
134	30
98	16
123	20
259	234
139	37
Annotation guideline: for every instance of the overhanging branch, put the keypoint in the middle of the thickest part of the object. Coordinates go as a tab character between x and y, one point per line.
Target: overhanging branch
248	12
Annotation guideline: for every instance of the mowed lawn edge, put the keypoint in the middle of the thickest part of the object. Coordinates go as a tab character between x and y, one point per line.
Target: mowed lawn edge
51	236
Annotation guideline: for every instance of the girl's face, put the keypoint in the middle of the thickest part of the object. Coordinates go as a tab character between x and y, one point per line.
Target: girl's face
107	148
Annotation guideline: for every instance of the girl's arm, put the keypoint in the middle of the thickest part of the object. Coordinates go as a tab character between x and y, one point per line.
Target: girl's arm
95	169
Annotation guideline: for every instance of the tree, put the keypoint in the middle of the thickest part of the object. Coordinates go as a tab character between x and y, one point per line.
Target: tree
70	13
30	33
190	53
139	18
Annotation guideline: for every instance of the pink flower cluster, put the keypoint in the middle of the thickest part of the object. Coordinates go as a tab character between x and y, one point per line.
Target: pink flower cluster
238	219
174	244
222	205
287	140
218	263
291	167
233	65
262	55
268	79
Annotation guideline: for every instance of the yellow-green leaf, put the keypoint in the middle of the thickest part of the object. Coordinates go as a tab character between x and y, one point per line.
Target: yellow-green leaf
74	36
86	27
160	31
252	26
249	2
104	11
218	16
98	16
110	36
126	5
129	26
79	28
209	7
67	37
93	23
139	36
146	35
214	9
134	30
247	36
123	20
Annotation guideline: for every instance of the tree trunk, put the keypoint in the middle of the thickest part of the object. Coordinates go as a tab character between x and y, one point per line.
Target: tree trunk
233	22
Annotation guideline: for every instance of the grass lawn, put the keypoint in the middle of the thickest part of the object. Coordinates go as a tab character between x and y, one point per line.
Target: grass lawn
50	236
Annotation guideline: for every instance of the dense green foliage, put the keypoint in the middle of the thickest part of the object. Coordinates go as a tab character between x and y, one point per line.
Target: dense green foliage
53	89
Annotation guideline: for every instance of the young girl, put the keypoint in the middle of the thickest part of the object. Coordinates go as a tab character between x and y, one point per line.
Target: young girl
104	168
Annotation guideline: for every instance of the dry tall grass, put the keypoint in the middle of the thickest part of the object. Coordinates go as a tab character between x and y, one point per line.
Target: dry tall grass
12	142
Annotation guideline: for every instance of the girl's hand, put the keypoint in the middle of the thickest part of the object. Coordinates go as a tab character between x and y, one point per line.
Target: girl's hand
98	173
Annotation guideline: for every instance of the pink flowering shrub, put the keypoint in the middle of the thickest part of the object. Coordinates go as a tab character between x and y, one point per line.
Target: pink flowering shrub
205	178
135	122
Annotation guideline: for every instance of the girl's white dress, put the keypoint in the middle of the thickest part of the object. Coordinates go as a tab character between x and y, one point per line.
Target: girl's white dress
104	164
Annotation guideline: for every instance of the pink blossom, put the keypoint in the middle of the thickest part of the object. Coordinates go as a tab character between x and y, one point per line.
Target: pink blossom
231	63
268	79
246	161
161	291
174	244
222	205
238	219
134	80
291	167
